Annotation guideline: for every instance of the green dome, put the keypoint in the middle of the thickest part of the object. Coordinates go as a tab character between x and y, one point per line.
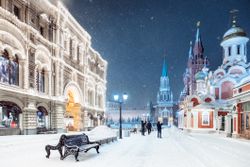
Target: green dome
200	75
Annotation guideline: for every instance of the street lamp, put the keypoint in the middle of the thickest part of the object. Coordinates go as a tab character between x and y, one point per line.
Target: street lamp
120	101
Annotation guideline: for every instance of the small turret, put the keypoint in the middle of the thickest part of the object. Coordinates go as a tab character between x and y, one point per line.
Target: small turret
234	45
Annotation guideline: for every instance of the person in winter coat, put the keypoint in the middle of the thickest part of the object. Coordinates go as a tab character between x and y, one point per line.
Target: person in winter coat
142	128
159	129
149	127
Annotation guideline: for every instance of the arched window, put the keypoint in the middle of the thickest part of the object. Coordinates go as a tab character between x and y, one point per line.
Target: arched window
100	101
238	49
229	51
14	71
90	98
9	114
9	69
41	117
40	80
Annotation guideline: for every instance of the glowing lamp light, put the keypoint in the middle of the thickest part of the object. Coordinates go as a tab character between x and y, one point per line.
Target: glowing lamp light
116	97
125	96
119	100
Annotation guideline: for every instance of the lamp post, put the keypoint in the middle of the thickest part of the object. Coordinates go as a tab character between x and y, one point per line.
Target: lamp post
120	101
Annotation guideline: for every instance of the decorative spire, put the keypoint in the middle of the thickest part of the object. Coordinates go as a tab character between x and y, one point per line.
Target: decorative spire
190	50
198	47
164	68
233	13
198	32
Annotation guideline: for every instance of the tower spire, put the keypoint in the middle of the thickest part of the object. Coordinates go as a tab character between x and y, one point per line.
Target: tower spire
164	67
198	32
198	47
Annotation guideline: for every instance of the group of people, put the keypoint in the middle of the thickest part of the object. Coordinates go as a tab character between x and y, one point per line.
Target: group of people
147	126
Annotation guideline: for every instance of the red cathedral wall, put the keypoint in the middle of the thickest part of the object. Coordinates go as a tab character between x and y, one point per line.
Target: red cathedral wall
226	90
216	93
246	88
211	123
242	89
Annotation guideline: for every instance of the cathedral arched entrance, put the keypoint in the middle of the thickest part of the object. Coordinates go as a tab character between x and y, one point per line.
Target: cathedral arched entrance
72	115
165	116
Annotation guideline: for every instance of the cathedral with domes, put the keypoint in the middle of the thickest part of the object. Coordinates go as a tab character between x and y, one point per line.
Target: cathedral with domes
218	101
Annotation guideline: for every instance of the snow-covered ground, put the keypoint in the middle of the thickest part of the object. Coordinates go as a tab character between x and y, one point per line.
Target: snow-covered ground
175	149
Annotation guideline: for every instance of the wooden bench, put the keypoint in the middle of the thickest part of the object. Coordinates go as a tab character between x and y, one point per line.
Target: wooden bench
72	145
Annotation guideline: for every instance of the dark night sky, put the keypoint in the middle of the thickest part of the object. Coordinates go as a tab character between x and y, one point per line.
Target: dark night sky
132	35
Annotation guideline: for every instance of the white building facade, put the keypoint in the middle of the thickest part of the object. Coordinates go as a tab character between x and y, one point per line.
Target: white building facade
50	76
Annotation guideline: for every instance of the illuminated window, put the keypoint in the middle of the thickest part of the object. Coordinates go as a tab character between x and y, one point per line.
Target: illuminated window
205	118
9	69
9	115
40	80
41	117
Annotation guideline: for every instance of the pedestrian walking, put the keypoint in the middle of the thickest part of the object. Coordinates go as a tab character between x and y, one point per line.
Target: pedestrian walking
142	128
159	129
149	127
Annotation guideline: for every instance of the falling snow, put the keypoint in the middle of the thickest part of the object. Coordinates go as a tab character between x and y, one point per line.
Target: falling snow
138	29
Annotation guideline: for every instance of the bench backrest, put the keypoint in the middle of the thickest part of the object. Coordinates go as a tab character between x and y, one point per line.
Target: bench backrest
78	140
